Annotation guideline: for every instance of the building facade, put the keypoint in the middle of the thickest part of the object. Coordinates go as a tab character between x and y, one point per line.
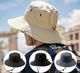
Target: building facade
71	36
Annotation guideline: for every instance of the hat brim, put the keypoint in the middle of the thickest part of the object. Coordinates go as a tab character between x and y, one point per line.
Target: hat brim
46	63
43	35
63	64
11	64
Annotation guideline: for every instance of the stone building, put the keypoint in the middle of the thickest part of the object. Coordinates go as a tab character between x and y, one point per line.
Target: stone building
12	38
12	45
71	35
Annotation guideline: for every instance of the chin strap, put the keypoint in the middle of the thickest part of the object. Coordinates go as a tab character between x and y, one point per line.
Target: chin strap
12	70
38	68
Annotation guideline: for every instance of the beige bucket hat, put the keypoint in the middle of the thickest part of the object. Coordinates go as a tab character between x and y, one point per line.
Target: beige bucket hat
39	21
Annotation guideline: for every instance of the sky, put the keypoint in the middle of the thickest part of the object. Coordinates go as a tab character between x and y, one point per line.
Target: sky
69	12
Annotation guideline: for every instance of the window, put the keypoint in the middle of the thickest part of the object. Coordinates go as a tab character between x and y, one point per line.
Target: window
71	37
77	46
76	36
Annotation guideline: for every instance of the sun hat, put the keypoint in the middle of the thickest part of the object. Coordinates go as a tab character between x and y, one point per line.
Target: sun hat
40	60
39	21
14	60
66	60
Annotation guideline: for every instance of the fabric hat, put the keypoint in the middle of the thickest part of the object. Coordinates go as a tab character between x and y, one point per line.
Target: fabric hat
40	60
66	60
14	60
39	21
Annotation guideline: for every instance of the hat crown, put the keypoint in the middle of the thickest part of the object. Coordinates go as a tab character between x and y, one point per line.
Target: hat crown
40	57
40	60
42	15
14	57
66	57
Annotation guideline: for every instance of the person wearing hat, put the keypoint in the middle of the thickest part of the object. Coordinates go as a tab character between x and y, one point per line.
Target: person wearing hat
39	27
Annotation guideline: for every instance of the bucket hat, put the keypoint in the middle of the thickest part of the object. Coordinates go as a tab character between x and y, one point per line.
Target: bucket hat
14	60
40	60
66	60
39	21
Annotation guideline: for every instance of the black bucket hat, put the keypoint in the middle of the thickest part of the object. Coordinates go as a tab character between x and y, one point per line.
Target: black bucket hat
66	60
14	60
40	60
